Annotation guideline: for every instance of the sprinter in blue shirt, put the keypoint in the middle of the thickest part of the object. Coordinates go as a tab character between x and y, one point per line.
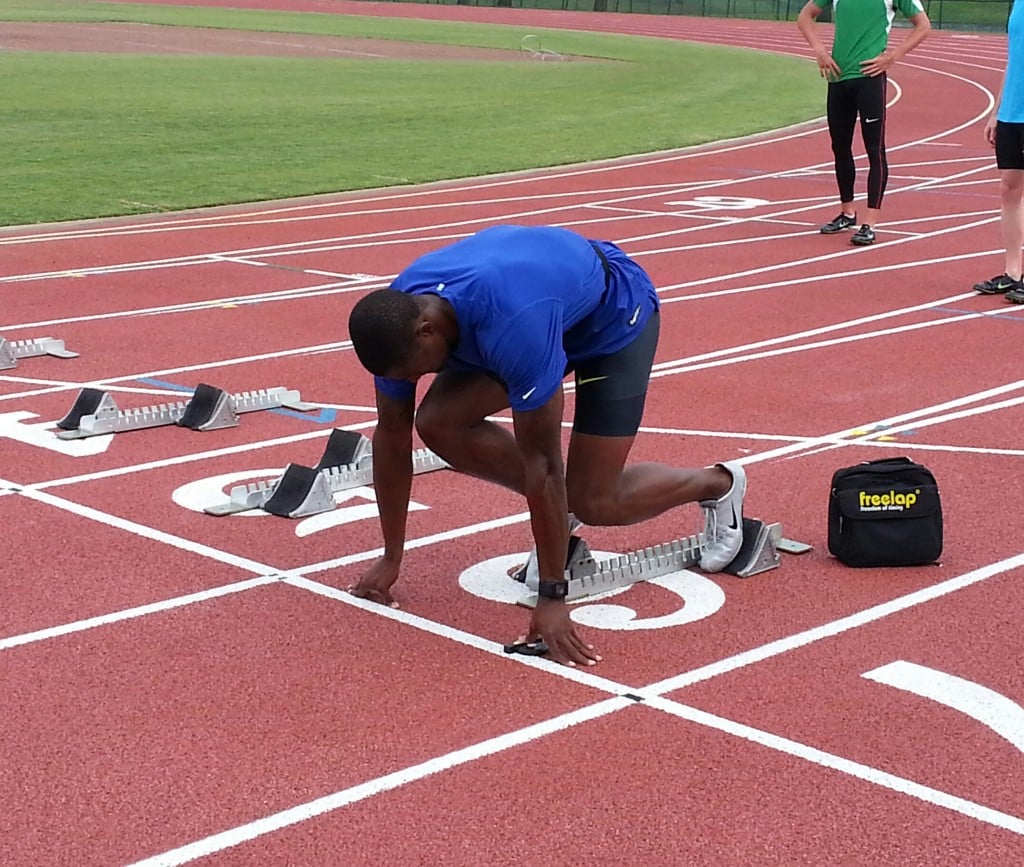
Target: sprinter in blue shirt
501	317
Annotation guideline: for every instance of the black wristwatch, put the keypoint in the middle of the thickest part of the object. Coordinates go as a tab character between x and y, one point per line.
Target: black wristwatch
553	589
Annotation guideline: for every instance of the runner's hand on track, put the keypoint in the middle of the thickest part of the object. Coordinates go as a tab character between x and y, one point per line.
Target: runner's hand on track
375	584
550	622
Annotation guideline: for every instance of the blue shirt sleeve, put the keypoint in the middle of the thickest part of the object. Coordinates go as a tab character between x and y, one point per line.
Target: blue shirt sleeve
397	389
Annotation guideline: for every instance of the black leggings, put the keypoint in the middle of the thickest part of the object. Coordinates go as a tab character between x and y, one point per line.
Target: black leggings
847	99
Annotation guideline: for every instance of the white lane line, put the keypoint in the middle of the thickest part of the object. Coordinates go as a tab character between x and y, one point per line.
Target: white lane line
138	611
990	708
847	324
825	344
1009	403
214	304
829	276
836	627
56	387
145	532
856	438
193	457
301	813
837	255
339	346
900	785
422	542
580	675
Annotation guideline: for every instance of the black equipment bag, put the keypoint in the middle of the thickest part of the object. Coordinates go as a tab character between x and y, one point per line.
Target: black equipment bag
885	513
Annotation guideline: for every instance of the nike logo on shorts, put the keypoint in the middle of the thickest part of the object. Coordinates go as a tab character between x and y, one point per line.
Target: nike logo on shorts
635	316
580	382
872	119
531	391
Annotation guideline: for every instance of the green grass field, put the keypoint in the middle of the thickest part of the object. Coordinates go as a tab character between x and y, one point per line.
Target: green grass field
94	135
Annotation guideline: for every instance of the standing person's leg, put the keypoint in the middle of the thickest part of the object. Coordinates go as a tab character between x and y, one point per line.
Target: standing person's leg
842	118
1011	219
1009	145
603	491
871	93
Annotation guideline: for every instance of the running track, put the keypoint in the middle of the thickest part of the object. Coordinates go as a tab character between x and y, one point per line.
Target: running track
178	687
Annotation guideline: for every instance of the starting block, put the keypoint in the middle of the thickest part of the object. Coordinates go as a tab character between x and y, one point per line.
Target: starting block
587	577
302	491
13	350
95	412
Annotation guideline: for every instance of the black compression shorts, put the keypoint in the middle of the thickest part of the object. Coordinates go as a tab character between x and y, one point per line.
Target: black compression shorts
1009	145
611	390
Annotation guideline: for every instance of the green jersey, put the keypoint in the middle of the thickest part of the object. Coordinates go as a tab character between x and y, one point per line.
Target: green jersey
862	29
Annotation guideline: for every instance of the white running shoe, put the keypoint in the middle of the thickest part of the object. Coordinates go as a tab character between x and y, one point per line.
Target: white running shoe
723	522
529	573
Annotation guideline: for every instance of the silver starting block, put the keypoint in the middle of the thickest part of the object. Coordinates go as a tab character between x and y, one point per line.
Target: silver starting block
11	351
302	491
95	412
587	577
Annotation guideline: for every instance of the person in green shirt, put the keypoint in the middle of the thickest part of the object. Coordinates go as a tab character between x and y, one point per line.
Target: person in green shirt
856	70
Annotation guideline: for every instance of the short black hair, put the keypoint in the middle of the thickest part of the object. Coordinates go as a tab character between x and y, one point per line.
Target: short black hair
382	326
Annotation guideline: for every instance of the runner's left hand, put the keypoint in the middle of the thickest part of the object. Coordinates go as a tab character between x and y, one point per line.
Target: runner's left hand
550	622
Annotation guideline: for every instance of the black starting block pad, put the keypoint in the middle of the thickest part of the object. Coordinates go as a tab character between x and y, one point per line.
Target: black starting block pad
95	412
588	577
11	351
303	491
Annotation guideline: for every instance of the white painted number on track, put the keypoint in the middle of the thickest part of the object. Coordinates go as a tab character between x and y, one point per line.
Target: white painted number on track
701	596
198	495
39	435
721	203
990	708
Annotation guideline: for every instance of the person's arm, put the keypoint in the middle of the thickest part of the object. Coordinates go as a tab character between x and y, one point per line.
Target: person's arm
827	66
990	124
884	61
392	483
539	437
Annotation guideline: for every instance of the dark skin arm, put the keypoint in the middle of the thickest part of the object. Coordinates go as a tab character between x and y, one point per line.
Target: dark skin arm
392	481
539	437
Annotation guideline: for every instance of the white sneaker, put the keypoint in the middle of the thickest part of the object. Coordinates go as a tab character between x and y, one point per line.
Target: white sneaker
723	522
529	574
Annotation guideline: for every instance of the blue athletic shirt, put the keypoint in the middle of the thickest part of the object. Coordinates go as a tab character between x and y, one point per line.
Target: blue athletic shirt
530	301
1011	106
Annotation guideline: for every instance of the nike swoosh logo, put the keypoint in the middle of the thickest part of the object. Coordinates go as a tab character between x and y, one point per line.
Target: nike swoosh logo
580	382
635	316
872	119
735	525
531	391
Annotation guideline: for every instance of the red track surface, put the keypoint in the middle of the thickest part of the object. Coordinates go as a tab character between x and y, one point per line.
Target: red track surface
181	687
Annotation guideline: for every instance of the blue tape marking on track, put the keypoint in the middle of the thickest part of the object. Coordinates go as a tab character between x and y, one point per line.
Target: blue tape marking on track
325	416
1006	314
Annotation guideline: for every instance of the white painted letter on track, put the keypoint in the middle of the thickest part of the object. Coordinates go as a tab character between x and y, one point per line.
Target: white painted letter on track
721	203
701	596
40	436
990	708
213	490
